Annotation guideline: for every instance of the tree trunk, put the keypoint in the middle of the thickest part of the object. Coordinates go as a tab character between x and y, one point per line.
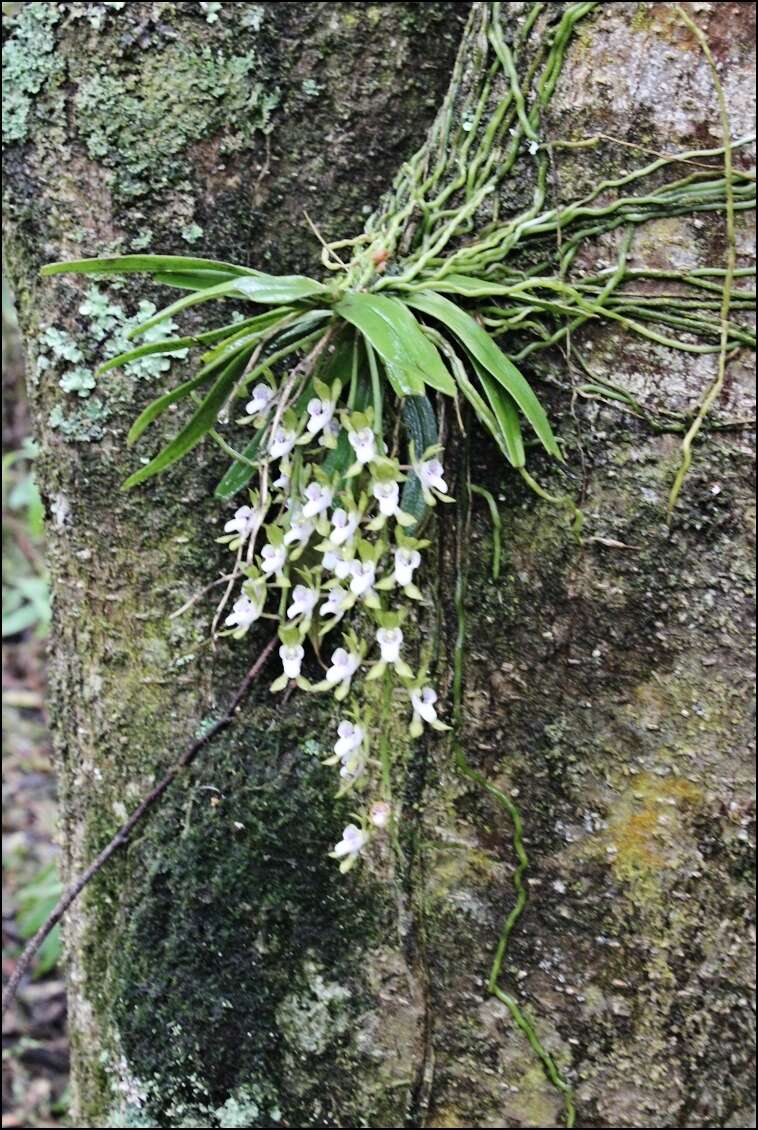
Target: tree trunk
221	972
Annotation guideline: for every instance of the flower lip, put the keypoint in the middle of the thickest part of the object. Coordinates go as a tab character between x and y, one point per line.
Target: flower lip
390	641
244	612
243	522
281	443
344	525
291	656
406	562
304	600
262	397
423	701
363	443
273	558
344	665
320	413
387	495
319	499
353	839
379	814
363	574
336	597
350	738
431	472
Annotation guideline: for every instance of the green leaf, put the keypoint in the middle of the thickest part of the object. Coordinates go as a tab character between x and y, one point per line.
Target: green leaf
481	346
225	334
168	346
125	264
268	289
256	325
421	426
410	359
239	473
193	280
157	407
280	288
506	416
199	425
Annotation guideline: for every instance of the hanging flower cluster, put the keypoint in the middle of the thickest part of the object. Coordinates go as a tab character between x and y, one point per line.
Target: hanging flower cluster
317	543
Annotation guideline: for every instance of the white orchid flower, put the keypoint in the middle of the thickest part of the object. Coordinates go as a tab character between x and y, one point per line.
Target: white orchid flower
330	433
406	562
291	656
349	847
320	413
283	481
335	602
349	739
431	473
363	575
388	497
303	601
379	814
390	641
299	532
423	701
344	665
281	442
244	613
338	562
363	443
273	558
243	522
319	499
344	525
263	395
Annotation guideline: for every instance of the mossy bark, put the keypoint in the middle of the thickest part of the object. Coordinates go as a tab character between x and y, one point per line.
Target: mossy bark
221	972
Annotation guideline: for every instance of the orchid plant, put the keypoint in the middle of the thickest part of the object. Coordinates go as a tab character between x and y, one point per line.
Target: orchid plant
344	389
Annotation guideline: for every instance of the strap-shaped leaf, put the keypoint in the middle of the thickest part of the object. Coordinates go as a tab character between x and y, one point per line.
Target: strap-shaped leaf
506	414
125	264
481	346
168	346
227	334
198	426
410	359
158	406
274	289
267	289
193	280
240	473
421	426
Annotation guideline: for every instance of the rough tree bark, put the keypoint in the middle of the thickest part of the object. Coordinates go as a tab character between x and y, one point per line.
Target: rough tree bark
221	972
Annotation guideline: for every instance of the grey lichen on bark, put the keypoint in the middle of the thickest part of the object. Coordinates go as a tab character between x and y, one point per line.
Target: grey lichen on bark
221	973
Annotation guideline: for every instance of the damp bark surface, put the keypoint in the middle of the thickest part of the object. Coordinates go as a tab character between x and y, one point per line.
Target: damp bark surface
220	971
